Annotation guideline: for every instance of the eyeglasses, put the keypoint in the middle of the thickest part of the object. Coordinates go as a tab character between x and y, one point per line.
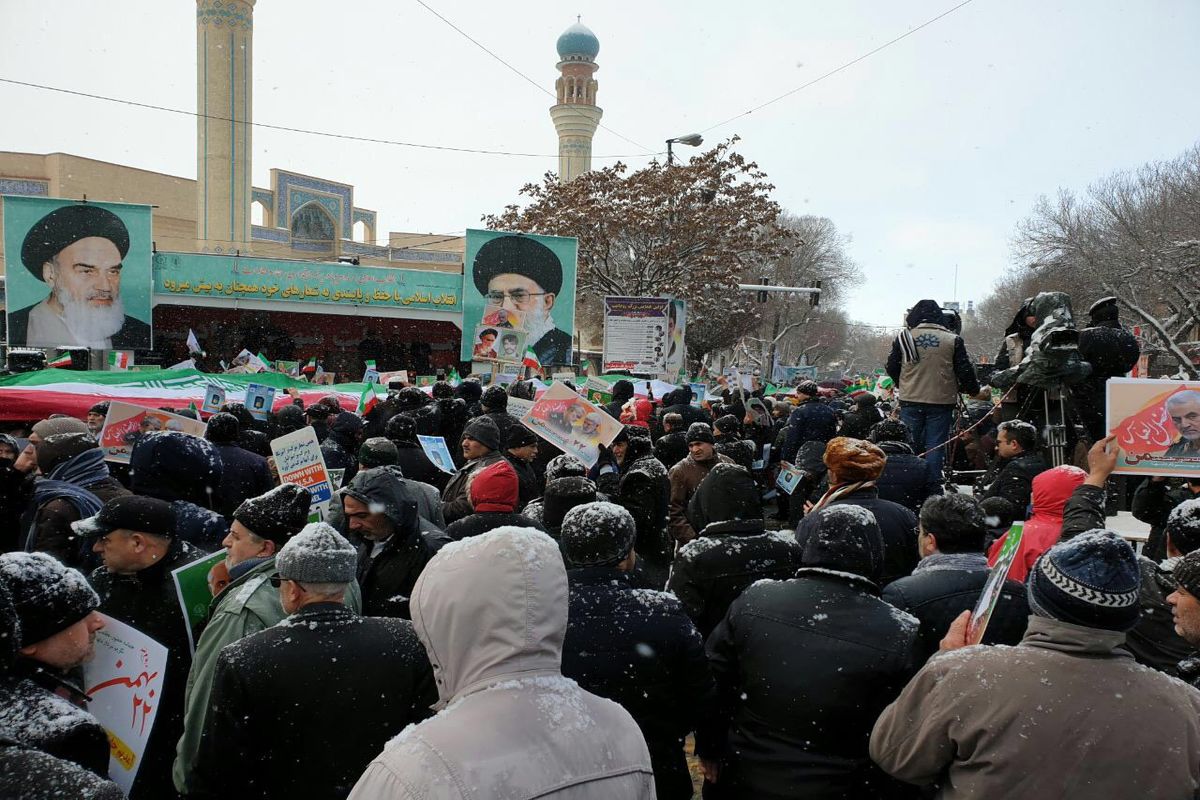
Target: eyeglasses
276	581
519	296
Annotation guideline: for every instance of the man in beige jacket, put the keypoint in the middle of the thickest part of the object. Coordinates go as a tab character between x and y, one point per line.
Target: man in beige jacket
1065	714
491	612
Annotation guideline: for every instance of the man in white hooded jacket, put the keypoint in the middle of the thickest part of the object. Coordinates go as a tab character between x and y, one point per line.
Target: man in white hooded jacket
491	612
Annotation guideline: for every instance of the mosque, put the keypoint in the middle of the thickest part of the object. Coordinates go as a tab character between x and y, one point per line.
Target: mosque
202	225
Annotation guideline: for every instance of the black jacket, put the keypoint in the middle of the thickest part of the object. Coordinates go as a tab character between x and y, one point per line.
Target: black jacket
1152	504
529	486
148	602
33	775
36	715
416	466
905	479
897	527
645	492
279	723
710	572
1012	479
245	475
481	522
858	421
689	412
739	451
387	579
803	669
671	448
811	421
504	423
638	648
940	592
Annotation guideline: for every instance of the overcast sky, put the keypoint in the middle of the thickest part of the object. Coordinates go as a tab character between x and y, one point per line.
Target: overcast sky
927	153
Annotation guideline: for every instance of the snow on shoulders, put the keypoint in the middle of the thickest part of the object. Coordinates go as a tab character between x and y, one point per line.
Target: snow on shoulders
848	513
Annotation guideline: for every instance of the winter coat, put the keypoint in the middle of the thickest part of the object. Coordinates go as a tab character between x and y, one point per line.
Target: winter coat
510	723
945	585
249	604
897	527
645	492
199	527
1051	490
33	775
530	486
1012	479
638	648
52	525
905	479
689	412
857	422
391	490
148	602
1067	713
944	369
1152	503
1153	641
684	477
504	423
272	687
480	523
811	421
456	498
34	713
416	466
245	475
387	576
739	451
803	668
671	448
711	571
1112	351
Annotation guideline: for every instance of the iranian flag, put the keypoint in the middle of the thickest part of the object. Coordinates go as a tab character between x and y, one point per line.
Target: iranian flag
367	400
531	360
310	367
62	361
36	395
119	359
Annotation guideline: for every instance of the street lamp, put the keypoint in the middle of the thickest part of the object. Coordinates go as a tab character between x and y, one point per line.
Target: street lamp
691	140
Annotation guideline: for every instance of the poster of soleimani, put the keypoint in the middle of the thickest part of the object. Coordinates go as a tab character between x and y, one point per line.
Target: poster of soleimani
533	276
1157	425
77	274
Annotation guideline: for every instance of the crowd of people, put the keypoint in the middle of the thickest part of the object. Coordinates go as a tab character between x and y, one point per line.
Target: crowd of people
531	626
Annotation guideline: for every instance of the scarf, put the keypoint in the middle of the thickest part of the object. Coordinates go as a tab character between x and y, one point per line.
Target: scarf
84	469
962	562
840	491
45	490
909	354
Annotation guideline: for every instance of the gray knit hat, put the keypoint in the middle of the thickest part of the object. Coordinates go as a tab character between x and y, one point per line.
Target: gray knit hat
317	554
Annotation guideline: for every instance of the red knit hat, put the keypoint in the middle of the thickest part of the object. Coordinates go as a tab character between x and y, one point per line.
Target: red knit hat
495	488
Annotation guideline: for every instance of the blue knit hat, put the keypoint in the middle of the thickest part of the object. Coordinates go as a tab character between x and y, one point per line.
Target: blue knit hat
1090	580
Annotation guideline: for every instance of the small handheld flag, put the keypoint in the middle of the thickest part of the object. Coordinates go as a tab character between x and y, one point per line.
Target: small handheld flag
61	361
367	401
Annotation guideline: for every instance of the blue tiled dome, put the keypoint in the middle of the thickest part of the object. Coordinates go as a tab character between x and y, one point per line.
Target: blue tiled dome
578	40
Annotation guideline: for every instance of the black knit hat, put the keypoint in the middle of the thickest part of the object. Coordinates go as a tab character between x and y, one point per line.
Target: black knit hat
277	515
729	426
484	431
699	432
65	226
597	534
1091	580
519	255
809	388
520	436
889	430
1187	573
47	596
847	539
495	398
223	428
62	447
99	408
1183	526
726	493
563	466
564	494
401	428
377	452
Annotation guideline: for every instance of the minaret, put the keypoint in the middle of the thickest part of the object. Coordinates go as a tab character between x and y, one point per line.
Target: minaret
576	115
224	60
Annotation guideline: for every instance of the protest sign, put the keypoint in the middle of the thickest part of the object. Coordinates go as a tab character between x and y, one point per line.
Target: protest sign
298	459
395	375
193	591
435	448
1157	425
291	368
635	334
336	476
518	407
125	680
214	398
426	380
789	477
126	423
259	400
597	391
571	423
982	613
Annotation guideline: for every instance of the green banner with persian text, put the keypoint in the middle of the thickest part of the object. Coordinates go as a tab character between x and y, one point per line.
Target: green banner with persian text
186	275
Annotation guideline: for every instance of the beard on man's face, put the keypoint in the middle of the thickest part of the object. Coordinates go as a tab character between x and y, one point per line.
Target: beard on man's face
538	322
90	323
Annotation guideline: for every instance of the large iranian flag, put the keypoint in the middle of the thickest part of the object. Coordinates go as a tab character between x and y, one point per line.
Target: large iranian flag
36	395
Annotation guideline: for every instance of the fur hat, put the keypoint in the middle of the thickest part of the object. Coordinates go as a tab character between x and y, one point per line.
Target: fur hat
565	465
1091	580
47	596
1183	526
854	459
